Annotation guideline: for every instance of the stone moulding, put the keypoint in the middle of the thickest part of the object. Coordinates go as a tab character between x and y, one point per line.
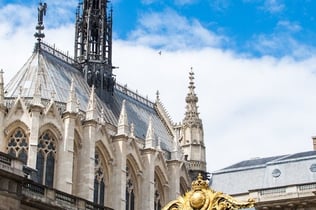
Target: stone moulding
201	197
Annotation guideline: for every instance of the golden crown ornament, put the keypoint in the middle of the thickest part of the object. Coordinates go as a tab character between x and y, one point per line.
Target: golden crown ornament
201	197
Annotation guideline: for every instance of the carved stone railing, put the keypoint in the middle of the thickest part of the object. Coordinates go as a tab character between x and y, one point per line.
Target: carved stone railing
40	193
290	192
274	191
14	181
195	165
134	95
58	53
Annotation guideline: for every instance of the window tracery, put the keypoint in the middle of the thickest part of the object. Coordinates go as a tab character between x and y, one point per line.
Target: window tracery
99	186
130	193
157	205
18	145
45	162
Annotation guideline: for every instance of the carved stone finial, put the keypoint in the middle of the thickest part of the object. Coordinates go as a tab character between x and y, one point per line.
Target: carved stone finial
132	134
157	95
150	135
122	126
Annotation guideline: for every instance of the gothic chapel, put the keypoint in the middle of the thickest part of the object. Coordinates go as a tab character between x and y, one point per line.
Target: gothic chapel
79	134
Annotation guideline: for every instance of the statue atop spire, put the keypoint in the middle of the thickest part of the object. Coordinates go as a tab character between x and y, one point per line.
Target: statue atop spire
40	21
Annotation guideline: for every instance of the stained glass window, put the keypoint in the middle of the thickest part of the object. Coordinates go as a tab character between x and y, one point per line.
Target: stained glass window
45	164
99	186
40	166
130	195
23	155
157	205
18	145
50	165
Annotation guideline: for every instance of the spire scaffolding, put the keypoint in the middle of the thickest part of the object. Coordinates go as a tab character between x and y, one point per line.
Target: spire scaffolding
93	45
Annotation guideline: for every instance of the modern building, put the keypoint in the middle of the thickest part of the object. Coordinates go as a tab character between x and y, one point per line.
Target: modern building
72	137
280	182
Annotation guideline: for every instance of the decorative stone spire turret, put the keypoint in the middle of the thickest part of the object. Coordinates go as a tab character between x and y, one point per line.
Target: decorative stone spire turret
91	113
122	126
72	99
93	46
150	135
192	141
191	114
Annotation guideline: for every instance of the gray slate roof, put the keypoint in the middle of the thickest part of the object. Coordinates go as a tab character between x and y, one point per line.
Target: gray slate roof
55	72
260	173
262	162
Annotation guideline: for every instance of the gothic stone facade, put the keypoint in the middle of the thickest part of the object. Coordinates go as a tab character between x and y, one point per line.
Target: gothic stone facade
126	155
84	135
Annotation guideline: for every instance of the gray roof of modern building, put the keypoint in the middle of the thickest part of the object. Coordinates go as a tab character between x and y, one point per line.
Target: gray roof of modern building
264	173
263	162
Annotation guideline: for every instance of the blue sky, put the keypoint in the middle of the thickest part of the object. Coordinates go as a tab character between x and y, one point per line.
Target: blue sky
278	25
249	27
254	64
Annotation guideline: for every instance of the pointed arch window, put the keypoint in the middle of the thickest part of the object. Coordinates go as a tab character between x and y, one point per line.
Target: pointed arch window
18	145
130	193
75	166
99	185
45	162
157	196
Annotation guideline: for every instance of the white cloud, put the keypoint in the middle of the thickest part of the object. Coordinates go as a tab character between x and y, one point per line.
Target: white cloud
170	30
289	26
184	2
220	5
249	107
280	43
273	6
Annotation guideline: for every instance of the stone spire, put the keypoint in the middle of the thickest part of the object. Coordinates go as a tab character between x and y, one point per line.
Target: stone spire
72	99
122	126
150	135
192	142
191	114
91	113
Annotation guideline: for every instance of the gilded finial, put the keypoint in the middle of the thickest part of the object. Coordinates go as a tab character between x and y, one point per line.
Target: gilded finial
201	197
199	183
